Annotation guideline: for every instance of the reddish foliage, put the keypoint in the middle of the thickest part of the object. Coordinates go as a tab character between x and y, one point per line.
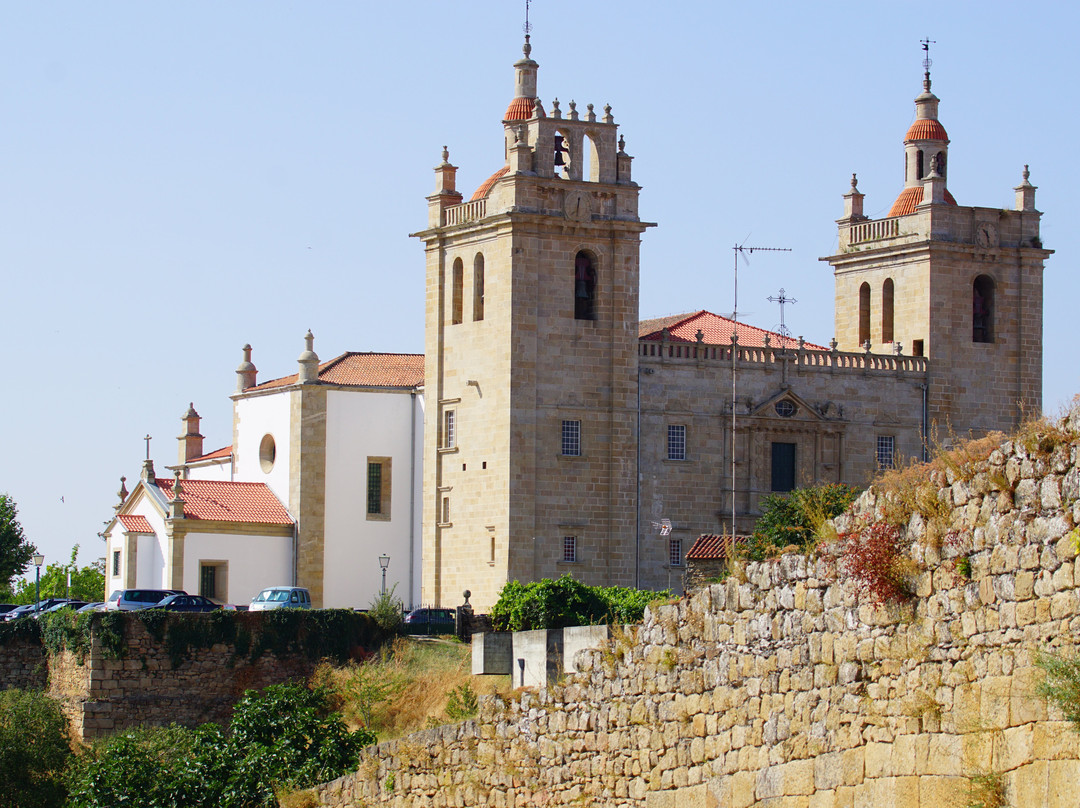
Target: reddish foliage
872	557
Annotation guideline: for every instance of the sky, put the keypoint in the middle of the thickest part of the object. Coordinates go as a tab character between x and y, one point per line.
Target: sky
179	179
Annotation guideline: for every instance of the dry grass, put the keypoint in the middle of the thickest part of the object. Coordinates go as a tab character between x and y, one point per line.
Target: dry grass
406	688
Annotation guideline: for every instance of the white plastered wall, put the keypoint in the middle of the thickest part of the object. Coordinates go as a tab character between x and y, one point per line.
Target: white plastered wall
255	417
359	425
254	562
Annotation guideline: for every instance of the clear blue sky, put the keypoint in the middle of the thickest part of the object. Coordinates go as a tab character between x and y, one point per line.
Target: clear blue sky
179	179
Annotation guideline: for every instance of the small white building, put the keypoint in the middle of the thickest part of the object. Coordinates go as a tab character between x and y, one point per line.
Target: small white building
321	481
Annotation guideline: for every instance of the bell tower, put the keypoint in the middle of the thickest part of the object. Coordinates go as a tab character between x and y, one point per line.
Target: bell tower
961	286
531	346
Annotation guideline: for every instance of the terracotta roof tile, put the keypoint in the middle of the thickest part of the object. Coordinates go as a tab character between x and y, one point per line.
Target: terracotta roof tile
520	109
224	501
485	187
133	523
225	451
926	129
911	198
717	330
355	369
710	546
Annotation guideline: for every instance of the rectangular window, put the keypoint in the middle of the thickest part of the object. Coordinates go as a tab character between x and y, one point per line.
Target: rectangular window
676	442
886	451
675	552
378	488
116	563
783	466
449	429
446	510
571	438
208	581
569	548
917	347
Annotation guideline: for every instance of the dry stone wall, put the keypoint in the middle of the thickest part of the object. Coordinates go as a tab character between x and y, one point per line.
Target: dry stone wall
780	688
23	665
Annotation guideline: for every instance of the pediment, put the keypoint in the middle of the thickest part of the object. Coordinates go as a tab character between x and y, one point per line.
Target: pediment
787	405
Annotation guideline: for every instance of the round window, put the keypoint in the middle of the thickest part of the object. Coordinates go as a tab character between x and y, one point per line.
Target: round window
786	408
267	453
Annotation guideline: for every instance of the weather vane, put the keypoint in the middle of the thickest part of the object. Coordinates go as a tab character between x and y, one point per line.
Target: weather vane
927	61
527	27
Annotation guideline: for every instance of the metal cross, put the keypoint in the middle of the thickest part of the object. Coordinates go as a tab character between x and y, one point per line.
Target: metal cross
782	299
147	439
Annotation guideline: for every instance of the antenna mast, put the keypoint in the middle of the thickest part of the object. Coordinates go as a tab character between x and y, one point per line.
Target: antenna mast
739	250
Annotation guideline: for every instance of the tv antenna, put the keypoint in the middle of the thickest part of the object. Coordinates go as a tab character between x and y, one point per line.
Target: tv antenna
783	300
739	250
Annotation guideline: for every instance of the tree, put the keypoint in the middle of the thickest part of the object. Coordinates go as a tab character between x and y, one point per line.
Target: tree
87	583
15	549
797	518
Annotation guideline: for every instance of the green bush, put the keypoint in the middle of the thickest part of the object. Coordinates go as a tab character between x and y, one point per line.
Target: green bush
1062	683
796	518
282	738
387	610
561	602
33	750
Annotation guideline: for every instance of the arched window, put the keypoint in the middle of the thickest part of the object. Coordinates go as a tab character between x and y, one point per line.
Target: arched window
591	156
919	165
458	284
982	309
584	287
887	310
563	157
864	314
478	287
939	164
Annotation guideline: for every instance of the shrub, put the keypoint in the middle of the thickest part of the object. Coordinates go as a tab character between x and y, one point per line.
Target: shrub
387	611
797	518
33	750
284	737
1061	683
873	557
561	602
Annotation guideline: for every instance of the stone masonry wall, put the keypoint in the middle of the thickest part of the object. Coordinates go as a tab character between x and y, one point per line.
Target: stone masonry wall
780	688
23	665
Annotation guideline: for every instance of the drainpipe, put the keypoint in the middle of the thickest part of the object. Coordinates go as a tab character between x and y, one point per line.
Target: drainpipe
637	495
925	423
412	496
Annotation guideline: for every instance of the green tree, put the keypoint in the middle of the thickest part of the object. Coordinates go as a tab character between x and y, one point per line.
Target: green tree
87	583
15	549
33	750
796	518
565	601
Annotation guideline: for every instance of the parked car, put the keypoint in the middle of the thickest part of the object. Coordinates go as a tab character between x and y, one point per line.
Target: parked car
66	604
130	599
92	607
32	608
430	621
281	597
186	603
7	607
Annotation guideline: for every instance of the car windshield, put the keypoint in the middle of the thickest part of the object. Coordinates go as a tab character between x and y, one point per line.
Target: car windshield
272	596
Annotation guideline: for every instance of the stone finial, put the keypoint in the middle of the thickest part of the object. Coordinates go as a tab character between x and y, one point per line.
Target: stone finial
555	111
768	340
853	202
527	47
1025	192
308	361
176	504
622	145
590	116
538	109
245	372
854	182
445	156
122	494
607	114
699	336
573	110
866	346
898	348
832	344
802	343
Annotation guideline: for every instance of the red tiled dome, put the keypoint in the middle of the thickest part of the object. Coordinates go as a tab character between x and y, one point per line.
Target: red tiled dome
485	188
520	109
926	129
911	198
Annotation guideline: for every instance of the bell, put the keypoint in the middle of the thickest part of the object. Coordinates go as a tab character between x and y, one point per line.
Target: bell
559	149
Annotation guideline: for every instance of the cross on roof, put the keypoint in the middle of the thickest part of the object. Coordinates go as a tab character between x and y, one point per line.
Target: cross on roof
147	439
782	299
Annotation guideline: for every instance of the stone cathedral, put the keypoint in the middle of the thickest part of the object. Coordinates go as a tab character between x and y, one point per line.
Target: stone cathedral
563	435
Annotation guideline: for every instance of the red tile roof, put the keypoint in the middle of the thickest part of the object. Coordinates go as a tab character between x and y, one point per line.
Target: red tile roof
709	546
225	451
224	501
717	330
926	129
355	369
520	109
134	523
485	188
911	198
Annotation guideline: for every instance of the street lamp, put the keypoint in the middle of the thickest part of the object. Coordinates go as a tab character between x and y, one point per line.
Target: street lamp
384	562
39	559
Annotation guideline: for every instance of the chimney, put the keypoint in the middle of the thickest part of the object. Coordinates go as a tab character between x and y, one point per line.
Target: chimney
245	373
308	361
191	442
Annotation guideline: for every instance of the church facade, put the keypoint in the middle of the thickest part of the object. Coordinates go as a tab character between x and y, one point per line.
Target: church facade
562	435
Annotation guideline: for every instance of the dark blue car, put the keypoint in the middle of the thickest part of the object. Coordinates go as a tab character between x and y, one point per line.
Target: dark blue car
186	603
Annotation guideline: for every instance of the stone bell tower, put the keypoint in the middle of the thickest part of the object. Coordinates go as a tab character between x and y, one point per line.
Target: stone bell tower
959	285
531	346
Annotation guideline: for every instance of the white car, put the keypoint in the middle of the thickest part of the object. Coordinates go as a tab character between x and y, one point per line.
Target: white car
281	597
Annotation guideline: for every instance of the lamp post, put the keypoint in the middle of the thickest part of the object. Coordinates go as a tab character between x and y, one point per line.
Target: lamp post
384	562
39	559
